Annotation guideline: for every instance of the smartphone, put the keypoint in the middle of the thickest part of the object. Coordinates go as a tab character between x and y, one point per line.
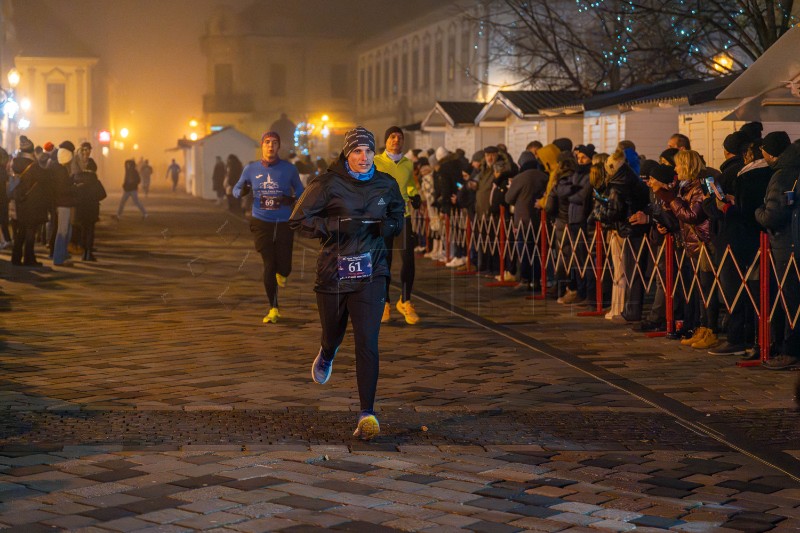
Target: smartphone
712	187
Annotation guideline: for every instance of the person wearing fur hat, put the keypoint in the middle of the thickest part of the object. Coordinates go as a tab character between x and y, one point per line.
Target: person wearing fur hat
393	162
352	209
276	185
775	215
64	202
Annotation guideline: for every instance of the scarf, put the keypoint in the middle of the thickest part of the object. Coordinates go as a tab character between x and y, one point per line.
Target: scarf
357	175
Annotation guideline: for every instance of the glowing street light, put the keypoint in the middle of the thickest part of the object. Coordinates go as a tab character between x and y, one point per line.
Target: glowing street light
124	133
13	78
193	123
25	104
723	62
193	136
325	118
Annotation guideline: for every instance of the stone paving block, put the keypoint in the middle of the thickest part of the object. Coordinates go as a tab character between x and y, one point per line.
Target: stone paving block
126	524
205	493
211	520
648	520
70	521
357	513
316	518
206	506
575	507
27	517
303	502
408	524
457	521
493	527
574	518
167	516
612	525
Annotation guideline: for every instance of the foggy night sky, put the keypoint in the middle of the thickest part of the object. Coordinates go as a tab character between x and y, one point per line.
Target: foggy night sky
150	52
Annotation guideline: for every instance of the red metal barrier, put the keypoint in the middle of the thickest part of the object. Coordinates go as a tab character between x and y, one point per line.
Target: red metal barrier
467	246
598	272
501	249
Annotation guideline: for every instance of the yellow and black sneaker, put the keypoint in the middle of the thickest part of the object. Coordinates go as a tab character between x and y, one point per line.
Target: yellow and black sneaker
368	427
273	316
280	279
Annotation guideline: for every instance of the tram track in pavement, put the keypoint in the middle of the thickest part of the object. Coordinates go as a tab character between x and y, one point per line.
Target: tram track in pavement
710	425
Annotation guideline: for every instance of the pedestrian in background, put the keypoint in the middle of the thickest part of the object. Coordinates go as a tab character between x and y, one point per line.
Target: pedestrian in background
89	192
173	172
145	173
218	180
130	187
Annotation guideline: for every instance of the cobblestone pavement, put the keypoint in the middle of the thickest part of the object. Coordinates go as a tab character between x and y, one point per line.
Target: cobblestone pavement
142	392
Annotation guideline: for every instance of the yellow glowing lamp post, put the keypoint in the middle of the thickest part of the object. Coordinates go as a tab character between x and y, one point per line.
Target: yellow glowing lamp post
193	136
13	78
124	133
193	123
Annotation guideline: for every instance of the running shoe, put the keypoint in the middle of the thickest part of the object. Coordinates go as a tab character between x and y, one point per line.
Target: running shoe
273	316
321	369
729	349
407	310
387	312
368	427
280	279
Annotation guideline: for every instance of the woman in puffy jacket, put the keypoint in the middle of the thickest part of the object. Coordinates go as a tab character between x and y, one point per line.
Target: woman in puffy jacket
687	206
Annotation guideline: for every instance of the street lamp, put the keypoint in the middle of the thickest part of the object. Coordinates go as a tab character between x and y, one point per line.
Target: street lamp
124	133
8	110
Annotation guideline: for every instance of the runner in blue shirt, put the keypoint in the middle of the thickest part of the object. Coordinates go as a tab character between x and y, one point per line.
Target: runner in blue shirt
276	185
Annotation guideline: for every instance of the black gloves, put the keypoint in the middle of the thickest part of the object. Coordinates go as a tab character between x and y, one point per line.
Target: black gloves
415	201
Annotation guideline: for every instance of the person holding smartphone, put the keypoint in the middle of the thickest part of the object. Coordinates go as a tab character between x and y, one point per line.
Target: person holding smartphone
352	209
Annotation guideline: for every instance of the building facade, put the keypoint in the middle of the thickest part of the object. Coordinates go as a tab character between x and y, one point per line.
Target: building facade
439	56
262	65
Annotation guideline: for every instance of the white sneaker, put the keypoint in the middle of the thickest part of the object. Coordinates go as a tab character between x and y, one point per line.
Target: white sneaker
440	257
507	276
419	249
569	297
457	262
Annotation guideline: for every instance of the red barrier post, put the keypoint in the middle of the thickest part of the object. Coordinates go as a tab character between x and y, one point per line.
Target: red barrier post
502	251
467	247
598	272
543	244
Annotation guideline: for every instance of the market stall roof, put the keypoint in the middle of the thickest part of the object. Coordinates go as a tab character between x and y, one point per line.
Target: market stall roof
523	104
454	114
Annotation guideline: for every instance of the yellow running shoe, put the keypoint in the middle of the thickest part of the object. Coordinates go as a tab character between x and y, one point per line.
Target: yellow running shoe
273	316
699	333
387	310
280	279
407	310
368	427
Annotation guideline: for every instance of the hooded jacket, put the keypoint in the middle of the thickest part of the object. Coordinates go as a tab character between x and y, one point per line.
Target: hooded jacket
688	209
548	155
326	211
89	192
776	215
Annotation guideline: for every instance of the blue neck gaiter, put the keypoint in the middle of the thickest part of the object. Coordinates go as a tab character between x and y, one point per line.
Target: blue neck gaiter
360	177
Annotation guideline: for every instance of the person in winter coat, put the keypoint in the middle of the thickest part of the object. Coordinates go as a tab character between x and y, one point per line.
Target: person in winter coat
146	173
130	188
233	171
525	190
428	193
740	231
64	201
558	211
484	234
5	235
687	206
500	211
780	205
89	192
33	197
218	180
276	185
352	209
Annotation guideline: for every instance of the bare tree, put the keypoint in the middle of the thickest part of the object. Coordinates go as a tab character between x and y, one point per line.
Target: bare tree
604	45
596	45
741	29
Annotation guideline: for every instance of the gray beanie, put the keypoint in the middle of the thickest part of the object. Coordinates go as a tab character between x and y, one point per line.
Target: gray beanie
358	136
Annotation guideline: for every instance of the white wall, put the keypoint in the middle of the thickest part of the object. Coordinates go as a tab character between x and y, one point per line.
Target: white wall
650	129
463	138
520	132
569	127
603	130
